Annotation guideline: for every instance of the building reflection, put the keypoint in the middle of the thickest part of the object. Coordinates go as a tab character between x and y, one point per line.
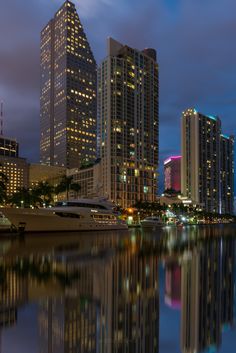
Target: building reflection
100	294
13	293
94	295
68	325
207	294
129	297
227	283
173	284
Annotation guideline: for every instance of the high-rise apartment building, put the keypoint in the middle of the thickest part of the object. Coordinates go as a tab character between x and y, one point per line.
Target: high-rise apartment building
128	123
172	171
68	92
202	166
227	173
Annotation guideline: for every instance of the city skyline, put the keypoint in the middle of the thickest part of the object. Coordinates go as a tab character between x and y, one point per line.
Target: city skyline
117	176
212	90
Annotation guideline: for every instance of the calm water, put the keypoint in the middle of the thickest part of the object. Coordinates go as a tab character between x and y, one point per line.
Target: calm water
127	292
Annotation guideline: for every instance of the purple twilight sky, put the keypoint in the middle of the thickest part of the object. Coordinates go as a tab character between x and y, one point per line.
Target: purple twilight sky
194	39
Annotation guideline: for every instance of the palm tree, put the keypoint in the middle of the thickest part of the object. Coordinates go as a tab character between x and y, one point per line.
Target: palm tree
21	197
75	187
45	191
171	192
66	185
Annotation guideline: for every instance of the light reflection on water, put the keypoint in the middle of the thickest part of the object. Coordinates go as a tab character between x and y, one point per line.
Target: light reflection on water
128	292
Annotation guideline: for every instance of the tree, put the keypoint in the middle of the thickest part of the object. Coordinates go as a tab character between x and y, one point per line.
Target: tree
85	165
66	185
148	208
75	187
44	191
171	192
21	198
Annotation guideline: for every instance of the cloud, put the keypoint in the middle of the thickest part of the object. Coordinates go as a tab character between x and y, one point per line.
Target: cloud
89	8
195	43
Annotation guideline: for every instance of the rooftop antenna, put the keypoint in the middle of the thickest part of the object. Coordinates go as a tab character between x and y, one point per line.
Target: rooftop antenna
1	120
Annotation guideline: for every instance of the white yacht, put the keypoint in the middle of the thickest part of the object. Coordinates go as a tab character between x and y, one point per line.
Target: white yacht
151	222
66	216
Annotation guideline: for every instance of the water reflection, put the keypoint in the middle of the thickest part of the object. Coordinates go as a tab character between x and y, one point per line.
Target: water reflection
101	293
173	284
207	293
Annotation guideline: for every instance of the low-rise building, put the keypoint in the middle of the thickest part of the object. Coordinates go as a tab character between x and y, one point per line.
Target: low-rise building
9	147
41	173
178	199
17	172
89	180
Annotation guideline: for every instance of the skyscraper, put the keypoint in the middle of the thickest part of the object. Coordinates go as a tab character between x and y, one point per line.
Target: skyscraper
204	152
227	174
68	92
128	123
172	171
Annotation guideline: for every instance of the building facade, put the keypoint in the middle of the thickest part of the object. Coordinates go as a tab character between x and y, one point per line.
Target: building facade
89	180
172	171
227	174
8	147
128	124
17	172
45	173
201	166
68	92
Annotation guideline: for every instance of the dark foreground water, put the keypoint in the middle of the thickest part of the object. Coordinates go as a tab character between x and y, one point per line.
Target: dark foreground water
127	292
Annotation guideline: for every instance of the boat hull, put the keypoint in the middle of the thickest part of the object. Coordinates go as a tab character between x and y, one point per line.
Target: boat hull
47	221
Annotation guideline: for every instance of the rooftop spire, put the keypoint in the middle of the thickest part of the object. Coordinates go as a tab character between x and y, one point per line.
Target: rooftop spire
1	119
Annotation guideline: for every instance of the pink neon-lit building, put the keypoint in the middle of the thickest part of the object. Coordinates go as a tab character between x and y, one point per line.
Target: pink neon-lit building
172	171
